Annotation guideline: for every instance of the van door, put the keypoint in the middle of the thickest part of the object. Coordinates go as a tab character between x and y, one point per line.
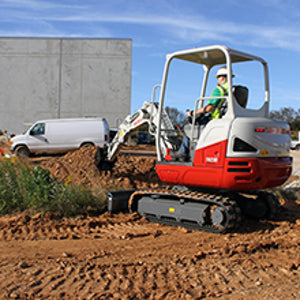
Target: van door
62	135
37	141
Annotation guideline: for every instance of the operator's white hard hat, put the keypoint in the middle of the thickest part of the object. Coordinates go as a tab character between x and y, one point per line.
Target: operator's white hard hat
222	72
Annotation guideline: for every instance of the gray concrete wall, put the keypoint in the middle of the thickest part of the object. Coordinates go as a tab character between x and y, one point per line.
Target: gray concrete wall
62	78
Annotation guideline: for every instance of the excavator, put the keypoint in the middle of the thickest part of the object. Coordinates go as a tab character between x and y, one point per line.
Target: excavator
233	160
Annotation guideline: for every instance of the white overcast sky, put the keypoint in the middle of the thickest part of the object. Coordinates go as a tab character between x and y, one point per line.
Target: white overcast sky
267	28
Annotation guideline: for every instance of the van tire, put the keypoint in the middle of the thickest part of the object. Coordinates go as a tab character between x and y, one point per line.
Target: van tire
298	147
88	144
22	151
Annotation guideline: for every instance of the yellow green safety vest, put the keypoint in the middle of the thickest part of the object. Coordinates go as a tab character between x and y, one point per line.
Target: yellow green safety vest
215	114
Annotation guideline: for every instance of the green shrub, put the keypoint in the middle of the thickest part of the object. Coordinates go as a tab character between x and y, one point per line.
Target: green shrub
23	187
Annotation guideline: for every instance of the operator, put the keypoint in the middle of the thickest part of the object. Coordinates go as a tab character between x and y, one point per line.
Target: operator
213	107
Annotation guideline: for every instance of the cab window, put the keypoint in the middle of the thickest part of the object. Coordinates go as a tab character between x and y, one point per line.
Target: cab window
38	129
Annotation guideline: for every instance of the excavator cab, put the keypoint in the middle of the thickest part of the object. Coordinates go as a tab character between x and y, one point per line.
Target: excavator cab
243	149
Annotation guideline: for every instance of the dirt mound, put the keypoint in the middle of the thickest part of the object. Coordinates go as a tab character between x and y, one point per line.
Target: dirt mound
78	166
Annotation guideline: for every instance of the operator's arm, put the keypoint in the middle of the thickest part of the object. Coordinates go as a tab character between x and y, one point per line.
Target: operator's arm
205	109
199	113
212	103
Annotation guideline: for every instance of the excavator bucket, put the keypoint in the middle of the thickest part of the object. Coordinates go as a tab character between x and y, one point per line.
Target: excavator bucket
101	161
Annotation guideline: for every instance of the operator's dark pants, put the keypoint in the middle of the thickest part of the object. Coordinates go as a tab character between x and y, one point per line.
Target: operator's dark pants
185	146
201	119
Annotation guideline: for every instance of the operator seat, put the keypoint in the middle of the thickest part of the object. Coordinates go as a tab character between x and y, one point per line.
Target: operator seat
240	93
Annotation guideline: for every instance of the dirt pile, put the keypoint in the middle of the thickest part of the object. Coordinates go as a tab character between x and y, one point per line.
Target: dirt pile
78	166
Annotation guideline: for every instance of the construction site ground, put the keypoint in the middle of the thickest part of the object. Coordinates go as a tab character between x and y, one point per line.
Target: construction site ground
122	256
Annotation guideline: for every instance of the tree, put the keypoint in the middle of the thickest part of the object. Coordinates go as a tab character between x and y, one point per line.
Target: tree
288	115
177	117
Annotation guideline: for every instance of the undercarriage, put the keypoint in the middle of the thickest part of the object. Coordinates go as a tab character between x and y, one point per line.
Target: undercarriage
194	208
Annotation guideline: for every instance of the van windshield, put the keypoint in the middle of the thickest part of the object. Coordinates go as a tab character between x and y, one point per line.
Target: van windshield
38	129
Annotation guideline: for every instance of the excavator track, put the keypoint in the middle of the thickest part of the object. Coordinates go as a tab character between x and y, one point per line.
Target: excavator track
257	204
206	211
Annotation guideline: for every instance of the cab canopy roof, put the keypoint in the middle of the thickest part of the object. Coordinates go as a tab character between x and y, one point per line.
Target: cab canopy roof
214	55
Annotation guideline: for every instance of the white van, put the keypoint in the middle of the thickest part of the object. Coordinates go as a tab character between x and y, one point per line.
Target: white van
61	135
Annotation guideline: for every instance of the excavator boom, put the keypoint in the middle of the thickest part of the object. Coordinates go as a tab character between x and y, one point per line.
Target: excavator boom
147	115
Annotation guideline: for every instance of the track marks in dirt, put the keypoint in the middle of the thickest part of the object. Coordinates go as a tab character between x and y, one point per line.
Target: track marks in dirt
129	231
168	277
122	256
108	226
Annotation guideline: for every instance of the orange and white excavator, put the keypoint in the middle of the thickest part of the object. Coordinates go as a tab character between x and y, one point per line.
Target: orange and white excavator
232	160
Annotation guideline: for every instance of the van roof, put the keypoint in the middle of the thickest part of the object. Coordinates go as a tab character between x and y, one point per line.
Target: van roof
72	119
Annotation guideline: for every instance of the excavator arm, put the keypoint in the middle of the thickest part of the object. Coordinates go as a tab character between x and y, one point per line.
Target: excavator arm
148	114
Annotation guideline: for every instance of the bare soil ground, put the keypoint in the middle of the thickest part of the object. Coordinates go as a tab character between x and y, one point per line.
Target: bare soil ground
122	256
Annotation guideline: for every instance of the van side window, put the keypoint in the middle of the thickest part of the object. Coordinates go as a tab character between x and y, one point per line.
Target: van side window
38	129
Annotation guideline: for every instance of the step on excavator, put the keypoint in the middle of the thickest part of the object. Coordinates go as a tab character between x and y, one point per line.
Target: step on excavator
233	160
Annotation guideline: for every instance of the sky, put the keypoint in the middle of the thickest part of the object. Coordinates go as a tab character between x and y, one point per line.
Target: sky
268	28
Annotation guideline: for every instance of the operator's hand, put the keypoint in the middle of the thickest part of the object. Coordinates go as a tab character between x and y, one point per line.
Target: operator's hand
189	113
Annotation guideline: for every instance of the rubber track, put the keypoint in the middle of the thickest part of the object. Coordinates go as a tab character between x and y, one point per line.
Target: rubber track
231	209
258	200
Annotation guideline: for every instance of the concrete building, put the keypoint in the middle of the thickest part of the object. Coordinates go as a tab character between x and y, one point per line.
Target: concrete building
63	78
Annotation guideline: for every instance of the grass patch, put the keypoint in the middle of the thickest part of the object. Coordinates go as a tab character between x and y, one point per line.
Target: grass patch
27	188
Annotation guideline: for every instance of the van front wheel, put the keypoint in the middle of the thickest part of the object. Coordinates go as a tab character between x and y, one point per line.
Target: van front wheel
87	145
22	151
